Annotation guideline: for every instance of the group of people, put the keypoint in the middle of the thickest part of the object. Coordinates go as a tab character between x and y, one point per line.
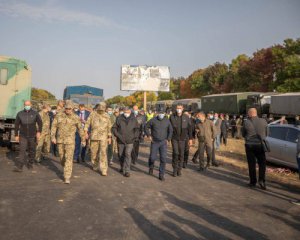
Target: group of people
107	131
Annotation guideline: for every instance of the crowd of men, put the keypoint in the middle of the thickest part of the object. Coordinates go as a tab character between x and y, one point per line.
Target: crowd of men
104	132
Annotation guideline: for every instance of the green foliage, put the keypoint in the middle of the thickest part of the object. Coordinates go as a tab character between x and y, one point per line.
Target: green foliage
41	95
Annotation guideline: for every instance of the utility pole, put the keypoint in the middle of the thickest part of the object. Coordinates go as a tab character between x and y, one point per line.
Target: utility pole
145	101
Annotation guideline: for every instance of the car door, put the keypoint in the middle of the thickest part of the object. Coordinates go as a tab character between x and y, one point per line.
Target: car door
276	138
290	146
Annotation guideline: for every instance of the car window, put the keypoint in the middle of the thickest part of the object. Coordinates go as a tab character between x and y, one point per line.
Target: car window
292	135
278	132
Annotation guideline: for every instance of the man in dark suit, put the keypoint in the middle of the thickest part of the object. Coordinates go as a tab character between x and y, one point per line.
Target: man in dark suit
83	115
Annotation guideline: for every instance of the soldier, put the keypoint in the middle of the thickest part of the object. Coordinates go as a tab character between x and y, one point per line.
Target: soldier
111	149
44	141
60	106
205	132
100	136
63	131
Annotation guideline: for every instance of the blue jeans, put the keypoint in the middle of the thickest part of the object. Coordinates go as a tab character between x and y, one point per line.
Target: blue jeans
217	142
160	147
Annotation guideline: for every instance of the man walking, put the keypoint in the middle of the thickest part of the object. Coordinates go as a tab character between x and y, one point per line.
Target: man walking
182	130
160	130
100	137
79	150
254	131
205	132
136	144
126	130
44	142
63	131
112	146
217	122
26	134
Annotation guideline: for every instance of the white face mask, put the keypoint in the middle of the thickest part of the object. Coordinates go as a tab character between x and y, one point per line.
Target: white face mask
179	111
127	115
161	115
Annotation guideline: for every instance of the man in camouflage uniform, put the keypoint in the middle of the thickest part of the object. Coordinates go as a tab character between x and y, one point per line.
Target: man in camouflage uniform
111	148
63	131
44	141
100	136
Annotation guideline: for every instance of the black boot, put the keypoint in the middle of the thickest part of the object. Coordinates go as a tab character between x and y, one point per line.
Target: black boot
179	172
184	165
175	173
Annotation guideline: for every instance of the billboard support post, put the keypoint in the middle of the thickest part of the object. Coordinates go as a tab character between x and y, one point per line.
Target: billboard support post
145	101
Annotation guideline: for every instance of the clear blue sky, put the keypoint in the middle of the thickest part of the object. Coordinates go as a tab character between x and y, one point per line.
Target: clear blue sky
85	42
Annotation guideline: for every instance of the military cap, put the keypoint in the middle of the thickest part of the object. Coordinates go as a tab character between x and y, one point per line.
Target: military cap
101	106
69	105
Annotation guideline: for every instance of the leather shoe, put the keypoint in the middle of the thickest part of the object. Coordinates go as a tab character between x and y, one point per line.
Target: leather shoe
262	185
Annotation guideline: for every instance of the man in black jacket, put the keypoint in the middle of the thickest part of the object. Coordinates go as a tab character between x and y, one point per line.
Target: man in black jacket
254	130
182	130
126	130
136	144
161	132
26	134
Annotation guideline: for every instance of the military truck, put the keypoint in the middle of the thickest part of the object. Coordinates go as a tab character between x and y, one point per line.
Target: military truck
260	101
15	88
287	104
230	103
192	104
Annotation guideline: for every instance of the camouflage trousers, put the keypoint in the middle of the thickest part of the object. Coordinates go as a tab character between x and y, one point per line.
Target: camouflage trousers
66	152
112	149
42	146
98	152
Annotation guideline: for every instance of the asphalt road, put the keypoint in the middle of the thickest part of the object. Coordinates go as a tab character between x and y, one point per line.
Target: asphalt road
216	204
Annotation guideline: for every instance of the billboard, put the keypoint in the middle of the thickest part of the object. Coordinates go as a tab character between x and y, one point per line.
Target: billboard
145	78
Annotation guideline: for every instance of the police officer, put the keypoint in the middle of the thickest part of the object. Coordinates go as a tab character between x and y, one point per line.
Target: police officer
44	142
205	132
136	144
254	131
26	134
63	131
160	130
100	137
182	130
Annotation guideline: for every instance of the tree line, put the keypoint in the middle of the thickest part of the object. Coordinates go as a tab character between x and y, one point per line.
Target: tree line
276	68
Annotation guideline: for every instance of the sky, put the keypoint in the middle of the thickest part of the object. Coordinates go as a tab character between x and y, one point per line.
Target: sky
76	42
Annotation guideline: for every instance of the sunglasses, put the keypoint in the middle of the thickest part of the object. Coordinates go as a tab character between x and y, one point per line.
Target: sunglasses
68	108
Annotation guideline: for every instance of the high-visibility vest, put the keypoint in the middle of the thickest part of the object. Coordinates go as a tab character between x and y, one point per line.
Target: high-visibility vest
149	116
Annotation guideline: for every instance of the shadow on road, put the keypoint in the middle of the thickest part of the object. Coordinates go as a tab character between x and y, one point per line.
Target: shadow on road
215	219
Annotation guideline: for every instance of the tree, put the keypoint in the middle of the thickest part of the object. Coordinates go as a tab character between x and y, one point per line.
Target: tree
38	94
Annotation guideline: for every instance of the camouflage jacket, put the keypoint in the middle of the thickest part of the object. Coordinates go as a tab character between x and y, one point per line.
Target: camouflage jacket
99	125
46	123
64	128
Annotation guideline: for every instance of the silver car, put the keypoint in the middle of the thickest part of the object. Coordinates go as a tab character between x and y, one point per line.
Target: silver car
283	144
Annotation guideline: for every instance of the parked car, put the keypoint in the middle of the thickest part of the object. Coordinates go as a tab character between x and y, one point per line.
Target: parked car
283	144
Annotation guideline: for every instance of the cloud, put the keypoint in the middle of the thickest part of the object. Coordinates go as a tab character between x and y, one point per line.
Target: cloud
55	14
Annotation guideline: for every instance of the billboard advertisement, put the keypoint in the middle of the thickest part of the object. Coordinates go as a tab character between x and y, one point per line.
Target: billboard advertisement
145	78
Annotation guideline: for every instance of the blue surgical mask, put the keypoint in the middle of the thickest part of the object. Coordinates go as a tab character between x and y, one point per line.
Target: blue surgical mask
109	113
161	115
27	108
136	112
127	115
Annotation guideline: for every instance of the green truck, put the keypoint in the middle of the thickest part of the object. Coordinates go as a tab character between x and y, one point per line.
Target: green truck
15	88
229	103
